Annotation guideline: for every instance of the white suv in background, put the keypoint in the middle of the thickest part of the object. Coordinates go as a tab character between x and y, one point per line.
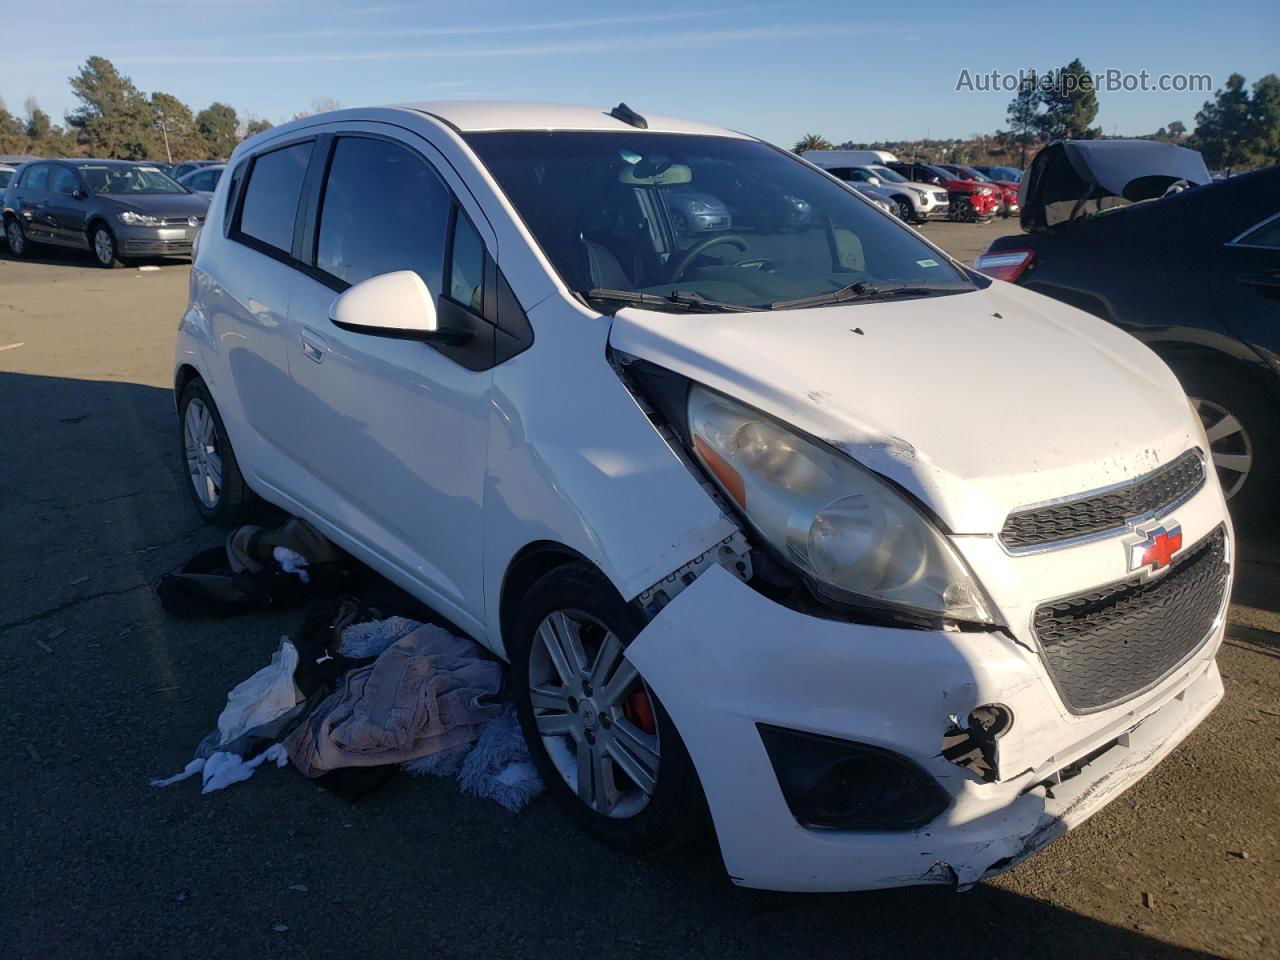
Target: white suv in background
786	515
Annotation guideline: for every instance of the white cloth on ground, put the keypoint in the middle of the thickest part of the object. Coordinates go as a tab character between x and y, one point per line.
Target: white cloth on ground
262	697
221	770
292	562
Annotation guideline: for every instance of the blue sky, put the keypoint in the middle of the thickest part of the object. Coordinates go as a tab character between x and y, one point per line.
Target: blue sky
778	70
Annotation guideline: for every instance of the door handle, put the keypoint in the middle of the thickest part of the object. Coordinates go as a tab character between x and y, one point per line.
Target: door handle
313	346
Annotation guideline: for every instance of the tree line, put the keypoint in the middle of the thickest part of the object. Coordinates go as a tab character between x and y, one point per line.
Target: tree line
1238	129
116	120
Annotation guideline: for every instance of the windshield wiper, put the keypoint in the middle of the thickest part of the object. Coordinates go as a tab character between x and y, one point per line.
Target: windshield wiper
861	291
688	301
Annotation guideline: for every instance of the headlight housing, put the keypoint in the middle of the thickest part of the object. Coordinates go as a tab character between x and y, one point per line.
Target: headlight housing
697	206
132	219
851	535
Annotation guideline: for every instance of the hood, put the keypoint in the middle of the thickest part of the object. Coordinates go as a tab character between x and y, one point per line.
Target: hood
1067	171
162	204
978	403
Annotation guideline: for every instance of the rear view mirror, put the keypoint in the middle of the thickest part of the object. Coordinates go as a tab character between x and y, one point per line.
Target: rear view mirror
395	305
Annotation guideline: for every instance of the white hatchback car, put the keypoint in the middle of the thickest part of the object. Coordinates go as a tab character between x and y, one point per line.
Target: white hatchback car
906	570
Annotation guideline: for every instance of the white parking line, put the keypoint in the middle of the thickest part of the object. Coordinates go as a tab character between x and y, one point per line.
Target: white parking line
11	346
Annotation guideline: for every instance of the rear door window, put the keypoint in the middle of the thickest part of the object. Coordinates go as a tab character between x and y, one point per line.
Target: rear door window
38	178
384	209
271	196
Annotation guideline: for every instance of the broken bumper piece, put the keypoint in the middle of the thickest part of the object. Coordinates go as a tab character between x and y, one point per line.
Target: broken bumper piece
728	662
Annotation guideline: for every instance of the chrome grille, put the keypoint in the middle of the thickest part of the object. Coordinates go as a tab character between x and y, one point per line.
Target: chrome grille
1152	494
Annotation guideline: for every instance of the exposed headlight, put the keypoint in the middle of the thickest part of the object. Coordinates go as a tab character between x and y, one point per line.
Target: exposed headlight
697	206
984	190
139	219
853	536
922	194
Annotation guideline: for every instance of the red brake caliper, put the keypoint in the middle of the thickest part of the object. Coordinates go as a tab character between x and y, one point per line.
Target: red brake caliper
639	710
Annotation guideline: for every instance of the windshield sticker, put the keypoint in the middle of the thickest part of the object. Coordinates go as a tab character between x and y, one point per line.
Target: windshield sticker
927	263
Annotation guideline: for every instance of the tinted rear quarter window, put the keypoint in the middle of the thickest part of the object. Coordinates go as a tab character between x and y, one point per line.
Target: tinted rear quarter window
384	209
271	195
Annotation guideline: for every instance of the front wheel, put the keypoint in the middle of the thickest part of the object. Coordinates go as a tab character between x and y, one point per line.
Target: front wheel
103	243
1244	441
601	740
905	212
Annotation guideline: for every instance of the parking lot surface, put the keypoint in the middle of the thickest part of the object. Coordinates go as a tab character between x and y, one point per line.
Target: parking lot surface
103	692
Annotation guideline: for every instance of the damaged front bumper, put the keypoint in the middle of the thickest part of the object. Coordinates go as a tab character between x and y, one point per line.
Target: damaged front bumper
725	660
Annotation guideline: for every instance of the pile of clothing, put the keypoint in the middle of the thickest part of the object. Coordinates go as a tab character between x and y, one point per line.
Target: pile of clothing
357	696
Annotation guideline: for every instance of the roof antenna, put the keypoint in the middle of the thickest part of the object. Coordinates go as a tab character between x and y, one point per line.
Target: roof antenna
627	115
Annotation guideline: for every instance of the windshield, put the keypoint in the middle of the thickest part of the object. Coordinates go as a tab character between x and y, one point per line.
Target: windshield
115	179
708	219
884	173
969	173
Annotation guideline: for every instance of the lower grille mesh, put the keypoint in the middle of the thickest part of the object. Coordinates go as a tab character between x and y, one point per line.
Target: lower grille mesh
1109	644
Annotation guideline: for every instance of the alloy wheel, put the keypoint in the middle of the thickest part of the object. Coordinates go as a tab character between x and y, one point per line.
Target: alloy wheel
204	463
104	248
1230	448
594	714
17	240
905	212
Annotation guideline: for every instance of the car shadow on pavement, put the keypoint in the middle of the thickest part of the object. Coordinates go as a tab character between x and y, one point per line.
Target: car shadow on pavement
94	507
67	257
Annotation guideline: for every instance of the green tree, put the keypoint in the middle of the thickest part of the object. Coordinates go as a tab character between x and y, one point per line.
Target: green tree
1223	133
255	126
13	136
114	119
1264	120
811	141
1023	114
219	126
1070	105
176	124
1176	130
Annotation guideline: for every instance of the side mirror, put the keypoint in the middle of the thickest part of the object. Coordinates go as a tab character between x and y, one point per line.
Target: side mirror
874	181
79	194
395	305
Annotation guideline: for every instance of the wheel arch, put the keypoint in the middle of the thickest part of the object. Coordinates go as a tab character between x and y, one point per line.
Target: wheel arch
530	564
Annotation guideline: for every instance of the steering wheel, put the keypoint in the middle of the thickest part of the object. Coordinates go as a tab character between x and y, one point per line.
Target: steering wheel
763	264
696	251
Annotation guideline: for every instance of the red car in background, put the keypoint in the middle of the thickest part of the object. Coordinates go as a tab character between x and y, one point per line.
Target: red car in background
970	200
1008	189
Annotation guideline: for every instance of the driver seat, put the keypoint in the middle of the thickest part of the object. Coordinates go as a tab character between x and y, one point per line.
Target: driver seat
605	269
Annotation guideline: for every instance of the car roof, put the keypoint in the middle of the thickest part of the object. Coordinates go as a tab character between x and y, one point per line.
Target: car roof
470	116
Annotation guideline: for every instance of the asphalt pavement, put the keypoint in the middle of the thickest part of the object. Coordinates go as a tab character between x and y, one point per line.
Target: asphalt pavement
102	691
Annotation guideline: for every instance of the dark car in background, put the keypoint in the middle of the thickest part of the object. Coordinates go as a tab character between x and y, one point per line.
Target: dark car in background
1006	174
1137	233
203	180
180	170
113	208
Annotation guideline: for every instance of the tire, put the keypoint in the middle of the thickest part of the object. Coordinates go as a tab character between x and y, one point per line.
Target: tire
962	211
906	213
1244	440
19	245
102	244
216	486
662	806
